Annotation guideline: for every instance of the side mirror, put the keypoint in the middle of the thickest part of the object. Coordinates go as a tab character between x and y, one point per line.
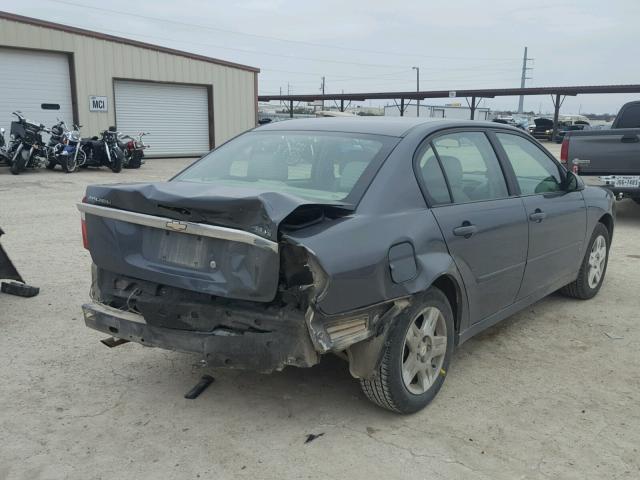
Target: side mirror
572	182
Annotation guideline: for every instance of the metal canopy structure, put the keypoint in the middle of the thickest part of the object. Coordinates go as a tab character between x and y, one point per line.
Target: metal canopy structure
557	95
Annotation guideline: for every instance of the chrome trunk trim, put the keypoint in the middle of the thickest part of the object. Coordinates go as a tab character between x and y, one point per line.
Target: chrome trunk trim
169	224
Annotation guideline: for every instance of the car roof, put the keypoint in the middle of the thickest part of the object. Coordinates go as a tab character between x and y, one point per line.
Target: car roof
391	126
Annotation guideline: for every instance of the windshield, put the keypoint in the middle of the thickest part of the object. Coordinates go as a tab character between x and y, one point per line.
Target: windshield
324	166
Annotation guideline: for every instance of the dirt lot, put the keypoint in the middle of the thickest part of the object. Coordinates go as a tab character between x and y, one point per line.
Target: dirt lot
552	392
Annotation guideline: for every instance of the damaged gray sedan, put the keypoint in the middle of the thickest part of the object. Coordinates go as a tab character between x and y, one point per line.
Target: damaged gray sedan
386	241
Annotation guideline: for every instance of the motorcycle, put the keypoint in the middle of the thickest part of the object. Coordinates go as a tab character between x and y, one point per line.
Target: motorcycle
4	158
26	147
62	148
102	151
133	148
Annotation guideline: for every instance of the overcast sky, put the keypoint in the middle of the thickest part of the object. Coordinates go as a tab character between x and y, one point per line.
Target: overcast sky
371	45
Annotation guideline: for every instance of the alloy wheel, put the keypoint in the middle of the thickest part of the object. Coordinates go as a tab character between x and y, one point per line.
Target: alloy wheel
424	350
597	259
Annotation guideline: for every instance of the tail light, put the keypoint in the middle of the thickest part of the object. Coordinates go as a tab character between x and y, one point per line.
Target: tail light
564	150
83	225
131	145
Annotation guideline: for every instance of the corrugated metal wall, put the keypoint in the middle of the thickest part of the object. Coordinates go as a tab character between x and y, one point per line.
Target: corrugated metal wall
168	112
98	61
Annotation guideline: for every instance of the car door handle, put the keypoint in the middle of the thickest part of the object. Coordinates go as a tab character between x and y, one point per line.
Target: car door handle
465	230
630	139
537	216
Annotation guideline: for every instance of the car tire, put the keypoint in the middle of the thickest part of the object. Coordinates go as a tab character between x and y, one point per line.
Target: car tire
388	387
593	267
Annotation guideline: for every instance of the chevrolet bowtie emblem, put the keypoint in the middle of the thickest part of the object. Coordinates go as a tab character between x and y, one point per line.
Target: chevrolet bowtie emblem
176	226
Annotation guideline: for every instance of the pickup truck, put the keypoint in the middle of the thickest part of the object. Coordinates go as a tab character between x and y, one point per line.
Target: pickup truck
612	155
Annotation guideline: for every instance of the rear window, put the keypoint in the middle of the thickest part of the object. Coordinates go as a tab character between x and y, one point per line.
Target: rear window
325	166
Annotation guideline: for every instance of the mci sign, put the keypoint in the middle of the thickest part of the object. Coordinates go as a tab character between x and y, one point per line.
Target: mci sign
97	104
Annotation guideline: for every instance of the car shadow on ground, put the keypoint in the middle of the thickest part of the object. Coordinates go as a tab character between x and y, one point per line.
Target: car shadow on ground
324	388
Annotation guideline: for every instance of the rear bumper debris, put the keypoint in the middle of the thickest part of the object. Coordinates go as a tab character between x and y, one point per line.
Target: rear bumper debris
250	350
8	272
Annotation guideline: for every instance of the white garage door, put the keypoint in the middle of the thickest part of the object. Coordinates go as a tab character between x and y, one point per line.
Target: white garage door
176	116
29	79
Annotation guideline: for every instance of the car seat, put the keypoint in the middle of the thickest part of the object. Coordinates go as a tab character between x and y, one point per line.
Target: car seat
453	169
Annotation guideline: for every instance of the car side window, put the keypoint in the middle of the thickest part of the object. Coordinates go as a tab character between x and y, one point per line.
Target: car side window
630	117
432	176
535	172
471	167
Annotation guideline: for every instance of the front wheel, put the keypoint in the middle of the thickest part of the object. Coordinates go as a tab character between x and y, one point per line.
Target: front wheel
69	164
20	161
593	267
117	159
415	357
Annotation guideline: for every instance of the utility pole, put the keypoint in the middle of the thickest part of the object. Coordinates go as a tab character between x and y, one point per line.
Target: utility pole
417	69
322	88
524	78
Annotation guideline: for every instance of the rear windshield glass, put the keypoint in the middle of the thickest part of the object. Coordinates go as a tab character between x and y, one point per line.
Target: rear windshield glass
325	166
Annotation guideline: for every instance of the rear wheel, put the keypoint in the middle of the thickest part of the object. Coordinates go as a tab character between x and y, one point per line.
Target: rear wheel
135	160
593	267
416	355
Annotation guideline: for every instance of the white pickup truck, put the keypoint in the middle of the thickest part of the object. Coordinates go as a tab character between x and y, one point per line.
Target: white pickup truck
613	155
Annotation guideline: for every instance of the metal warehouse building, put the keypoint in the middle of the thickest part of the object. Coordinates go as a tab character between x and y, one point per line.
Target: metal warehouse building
189	103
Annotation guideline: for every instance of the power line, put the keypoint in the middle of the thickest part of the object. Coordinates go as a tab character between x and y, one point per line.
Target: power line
341	77
279	39
261	52
251	51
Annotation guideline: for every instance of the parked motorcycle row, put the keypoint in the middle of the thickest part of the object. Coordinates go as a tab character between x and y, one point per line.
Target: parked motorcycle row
26	148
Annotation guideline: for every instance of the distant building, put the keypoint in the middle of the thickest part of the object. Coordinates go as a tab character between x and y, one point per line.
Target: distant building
360	110
51	71
455	111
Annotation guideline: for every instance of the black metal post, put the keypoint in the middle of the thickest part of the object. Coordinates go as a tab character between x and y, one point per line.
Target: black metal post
342	105
473	107
556	115
417	90
402	107
291	108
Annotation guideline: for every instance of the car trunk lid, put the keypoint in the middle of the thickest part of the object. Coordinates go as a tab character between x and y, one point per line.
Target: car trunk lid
215	240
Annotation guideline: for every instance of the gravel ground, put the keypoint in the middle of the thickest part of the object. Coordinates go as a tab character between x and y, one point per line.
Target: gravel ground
551	393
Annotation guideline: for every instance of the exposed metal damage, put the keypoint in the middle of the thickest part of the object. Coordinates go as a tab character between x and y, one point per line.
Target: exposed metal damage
289	331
